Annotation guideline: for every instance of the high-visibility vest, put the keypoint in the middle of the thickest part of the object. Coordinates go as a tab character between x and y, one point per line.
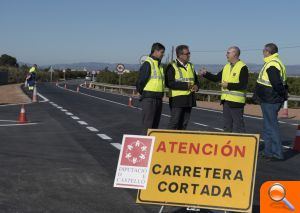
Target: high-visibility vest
182	75
272	60
156	82
232	75
32	70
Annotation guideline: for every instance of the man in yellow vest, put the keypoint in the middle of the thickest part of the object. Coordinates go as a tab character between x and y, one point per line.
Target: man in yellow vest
151	85
31	77
271	91
182	82
234	80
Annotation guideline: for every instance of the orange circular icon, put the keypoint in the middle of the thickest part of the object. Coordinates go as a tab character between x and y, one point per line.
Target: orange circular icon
277	192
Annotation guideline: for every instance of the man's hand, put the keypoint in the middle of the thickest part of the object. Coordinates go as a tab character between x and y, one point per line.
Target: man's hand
202	71
194	88
224	84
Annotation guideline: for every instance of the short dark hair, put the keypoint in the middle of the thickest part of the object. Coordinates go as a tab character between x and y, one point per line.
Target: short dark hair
271	48
157	46
180	48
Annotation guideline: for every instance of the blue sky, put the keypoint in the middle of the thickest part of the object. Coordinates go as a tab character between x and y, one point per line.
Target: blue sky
65	31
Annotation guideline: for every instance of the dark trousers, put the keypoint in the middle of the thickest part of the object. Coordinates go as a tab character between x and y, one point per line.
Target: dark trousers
180	117
233	119
151	112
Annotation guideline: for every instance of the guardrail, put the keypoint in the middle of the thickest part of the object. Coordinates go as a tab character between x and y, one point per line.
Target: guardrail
122	88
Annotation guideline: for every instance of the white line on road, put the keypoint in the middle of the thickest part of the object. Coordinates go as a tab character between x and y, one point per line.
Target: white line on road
116	145
69	113
25	124
92	129
59	107
197	108
104	136
219	129
43	97
14	121
199	124
64	110
75	117
82	122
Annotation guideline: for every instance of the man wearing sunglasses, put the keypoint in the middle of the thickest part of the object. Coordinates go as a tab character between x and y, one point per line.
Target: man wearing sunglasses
234	80
271	91
182	82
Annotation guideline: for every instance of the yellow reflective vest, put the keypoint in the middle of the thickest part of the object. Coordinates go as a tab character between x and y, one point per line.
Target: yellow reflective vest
32	69
182	75
272	60
156	82
232	75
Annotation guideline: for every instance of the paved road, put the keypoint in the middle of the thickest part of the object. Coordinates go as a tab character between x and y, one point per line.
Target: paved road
66	160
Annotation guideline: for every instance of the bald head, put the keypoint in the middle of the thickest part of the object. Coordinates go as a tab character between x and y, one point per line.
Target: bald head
233	54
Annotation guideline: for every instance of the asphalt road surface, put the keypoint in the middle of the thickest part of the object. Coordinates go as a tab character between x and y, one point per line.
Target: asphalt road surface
64	159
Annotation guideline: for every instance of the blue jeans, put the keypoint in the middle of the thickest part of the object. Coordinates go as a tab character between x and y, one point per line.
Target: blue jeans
271	136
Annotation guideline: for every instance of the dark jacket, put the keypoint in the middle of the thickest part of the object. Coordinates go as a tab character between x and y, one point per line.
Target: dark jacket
242	85
278	93
144	76
182	100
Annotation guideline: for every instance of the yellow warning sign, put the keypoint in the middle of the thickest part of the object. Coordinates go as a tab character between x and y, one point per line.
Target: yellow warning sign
202	169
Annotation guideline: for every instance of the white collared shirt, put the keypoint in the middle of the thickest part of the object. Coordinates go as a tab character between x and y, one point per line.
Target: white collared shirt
185	66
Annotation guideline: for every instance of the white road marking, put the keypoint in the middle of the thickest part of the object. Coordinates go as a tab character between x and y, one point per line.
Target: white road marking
69	113
116	145
92	129
219	129
59	107
287	147
14	121
82	122
43	97
197	108
24	124
64	110
4	105
295	124
103	99
199	124
75	117
104	136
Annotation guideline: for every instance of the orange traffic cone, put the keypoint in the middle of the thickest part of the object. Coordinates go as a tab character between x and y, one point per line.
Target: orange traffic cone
284	113
77	88
34	94
130	102
65	86
297	140
22	115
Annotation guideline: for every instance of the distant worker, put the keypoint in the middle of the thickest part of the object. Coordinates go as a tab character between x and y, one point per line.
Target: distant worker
182	82
271	91
151	86
31	77
234	80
